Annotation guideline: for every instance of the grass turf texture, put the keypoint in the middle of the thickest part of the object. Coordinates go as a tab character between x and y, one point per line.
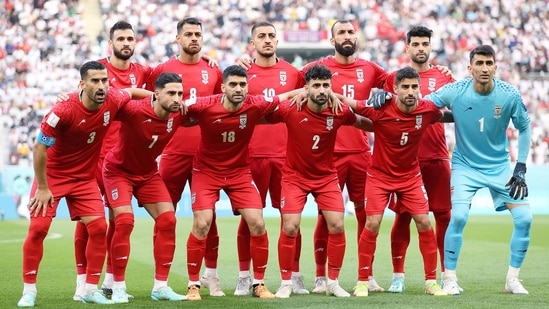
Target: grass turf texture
482	268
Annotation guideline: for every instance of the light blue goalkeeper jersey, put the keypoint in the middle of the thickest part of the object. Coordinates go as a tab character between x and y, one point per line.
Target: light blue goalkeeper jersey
481	122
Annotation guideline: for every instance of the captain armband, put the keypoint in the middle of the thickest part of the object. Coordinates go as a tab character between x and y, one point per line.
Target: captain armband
46	140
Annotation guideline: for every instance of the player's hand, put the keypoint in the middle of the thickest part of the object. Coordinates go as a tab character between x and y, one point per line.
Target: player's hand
378	99
517	183
335	104
444	70
39	203
183	108
299	100
62	96
211	61
244	61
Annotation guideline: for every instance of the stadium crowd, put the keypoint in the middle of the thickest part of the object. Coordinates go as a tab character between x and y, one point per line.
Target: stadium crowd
43	42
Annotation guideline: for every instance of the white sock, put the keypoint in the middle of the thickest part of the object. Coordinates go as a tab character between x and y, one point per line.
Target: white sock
321	277
296	274
159	284
401	275
90	287
257	281
119	285
244	274
331	281
191	283
450	274
107	282
430	281
81	279
513	272
286	282
210	272
29	287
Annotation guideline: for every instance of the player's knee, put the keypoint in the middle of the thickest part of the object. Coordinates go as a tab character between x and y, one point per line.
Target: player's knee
166	221
522	217
39	227
460	214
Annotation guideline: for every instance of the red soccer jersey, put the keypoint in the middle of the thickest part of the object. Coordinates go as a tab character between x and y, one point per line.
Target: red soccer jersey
355	80
433	143
270	140
226	135
199	80
79	134
311	139
134	77
142	138
397	137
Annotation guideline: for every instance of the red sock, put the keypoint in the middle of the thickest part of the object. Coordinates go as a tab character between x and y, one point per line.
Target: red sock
243	245
96	250
320	242
366	250
110	233
33	248
195	254
428	249
259	249
164	245
442	219
360	213
336	252
80	243
400	239
286	252
120	250
212	246
297	254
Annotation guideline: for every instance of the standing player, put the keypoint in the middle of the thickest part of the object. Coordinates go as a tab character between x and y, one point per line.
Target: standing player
222	163
199	79
398	127
268	76
131	168
354	78
483	107
309	168
434	160
69	143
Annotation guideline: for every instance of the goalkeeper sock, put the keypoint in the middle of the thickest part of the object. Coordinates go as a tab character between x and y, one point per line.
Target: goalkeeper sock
520	240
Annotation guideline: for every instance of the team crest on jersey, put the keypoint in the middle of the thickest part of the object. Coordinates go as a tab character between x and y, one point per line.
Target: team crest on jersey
360	75
133	80
329	123
114	193
419	121
497	111
243	121
169	125
106	118
283	78
205	77
432	84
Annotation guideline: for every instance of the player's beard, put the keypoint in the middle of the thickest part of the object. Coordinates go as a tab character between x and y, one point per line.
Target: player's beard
118	54
236	101
191	51
345	51
268	54
418	60
319	101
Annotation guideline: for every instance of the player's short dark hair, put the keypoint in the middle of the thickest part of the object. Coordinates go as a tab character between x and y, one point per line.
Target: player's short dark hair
419	31
166	78
90	65
120	25
234	70
318	71
339	21
485	50
406	72
261	24
190	21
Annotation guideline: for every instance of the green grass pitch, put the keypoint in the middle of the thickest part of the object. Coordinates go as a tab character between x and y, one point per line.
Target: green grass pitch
481	269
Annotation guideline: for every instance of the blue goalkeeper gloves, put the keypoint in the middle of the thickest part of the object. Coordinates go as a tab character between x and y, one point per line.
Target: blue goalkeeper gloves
378	99
517	183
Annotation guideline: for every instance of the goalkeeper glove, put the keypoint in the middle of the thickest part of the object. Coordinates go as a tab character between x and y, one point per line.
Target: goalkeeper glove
517	183
378	99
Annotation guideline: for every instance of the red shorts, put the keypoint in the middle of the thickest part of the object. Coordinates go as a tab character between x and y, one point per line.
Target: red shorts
239	186
120	187
267	174
410	194
99	175
351	170
436	178
83	196
295	189
176	171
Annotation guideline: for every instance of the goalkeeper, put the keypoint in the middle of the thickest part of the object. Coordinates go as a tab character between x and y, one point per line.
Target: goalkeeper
483	107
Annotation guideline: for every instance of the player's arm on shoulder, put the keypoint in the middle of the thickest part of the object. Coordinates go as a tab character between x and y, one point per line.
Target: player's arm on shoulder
447	116
212	62
352	103
444	70
364	123
244	61
138	93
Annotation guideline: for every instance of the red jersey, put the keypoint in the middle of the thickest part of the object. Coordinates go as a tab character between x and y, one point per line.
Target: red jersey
134	77
199	80
432	145
355	80
79	133
142	138
270	140
397	137
226	135
312	137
